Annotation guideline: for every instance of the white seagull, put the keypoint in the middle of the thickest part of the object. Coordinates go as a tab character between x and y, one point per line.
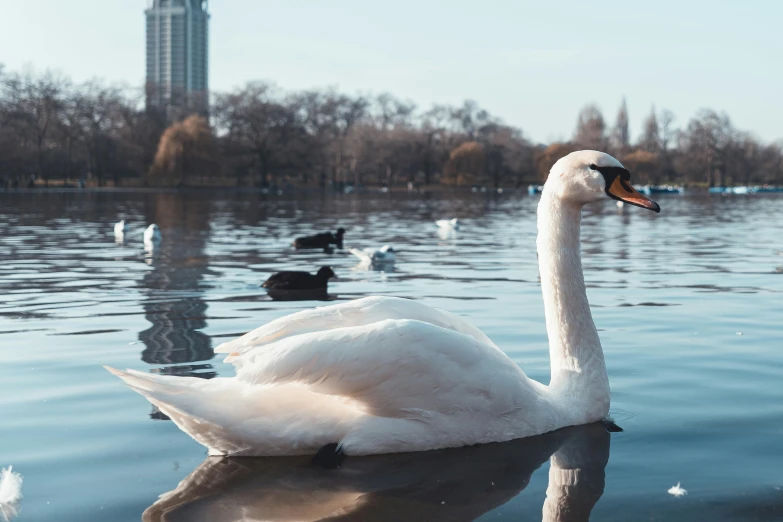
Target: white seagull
152	234
119	229
448	224
384	255
385	375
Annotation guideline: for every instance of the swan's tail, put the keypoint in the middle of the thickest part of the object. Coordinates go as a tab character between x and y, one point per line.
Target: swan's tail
232	417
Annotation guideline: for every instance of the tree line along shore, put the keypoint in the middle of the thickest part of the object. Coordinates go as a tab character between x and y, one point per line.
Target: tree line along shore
54	132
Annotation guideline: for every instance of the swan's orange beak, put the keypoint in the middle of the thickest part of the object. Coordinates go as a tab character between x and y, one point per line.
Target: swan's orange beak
622	190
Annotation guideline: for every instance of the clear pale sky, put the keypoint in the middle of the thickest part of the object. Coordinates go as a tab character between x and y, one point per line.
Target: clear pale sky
534	64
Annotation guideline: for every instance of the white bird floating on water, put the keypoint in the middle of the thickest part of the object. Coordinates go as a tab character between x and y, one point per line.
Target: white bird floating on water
677	491
120	229
384	255
10	493
385	375
152	235
448	224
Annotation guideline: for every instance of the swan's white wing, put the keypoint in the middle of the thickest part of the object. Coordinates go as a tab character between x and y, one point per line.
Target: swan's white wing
358	312
395	368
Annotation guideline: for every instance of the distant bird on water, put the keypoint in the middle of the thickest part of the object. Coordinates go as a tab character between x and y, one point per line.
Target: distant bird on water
152	235
300	280
448	224
383	255
120	228
119	232
322	240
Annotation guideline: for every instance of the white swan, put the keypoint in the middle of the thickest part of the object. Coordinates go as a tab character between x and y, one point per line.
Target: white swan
384	255
384	375
448	224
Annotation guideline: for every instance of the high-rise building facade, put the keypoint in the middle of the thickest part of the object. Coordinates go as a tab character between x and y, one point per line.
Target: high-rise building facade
178	55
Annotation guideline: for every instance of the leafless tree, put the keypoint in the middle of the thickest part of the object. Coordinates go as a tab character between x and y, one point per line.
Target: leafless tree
262	135
621	138
590	129
650	139
705	147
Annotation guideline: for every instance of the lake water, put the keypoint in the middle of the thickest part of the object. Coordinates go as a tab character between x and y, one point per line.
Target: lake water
689	304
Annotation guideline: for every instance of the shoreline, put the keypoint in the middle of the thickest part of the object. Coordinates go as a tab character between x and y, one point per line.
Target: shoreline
375	191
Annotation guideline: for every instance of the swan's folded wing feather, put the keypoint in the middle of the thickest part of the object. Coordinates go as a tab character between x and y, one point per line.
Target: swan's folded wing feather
358	312
395	368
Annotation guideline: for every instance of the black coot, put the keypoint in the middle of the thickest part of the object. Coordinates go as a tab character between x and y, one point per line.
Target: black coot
300	280
322	240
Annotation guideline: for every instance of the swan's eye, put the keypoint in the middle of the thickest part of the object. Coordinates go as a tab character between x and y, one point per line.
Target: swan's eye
593	166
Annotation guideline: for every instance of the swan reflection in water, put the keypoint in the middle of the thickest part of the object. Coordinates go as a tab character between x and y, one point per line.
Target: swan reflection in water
455	484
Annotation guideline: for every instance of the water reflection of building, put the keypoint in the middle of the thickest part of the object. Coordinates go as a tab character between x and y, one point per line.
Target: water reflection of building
173	290
175	336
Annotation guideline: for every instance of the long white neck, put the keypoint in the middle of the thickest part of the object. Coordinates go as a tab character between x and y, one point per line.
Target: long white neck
577	361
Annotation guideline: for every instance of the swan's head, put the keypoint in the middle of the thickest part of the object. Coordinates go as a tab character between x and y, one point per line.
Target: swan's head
588	175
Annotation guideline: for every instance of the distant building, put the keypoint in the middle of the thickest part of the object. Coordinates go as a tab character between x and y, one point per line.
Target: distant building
177	56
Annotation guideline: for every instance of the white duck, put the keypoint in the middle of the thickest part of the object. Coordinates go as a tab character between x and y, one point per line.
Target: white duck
152	235
384	255
385	375
119	229
448	224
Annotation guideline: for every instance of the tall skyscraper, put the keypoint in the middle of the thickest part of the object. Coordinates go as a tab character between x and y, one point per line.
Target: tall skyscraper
177	55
